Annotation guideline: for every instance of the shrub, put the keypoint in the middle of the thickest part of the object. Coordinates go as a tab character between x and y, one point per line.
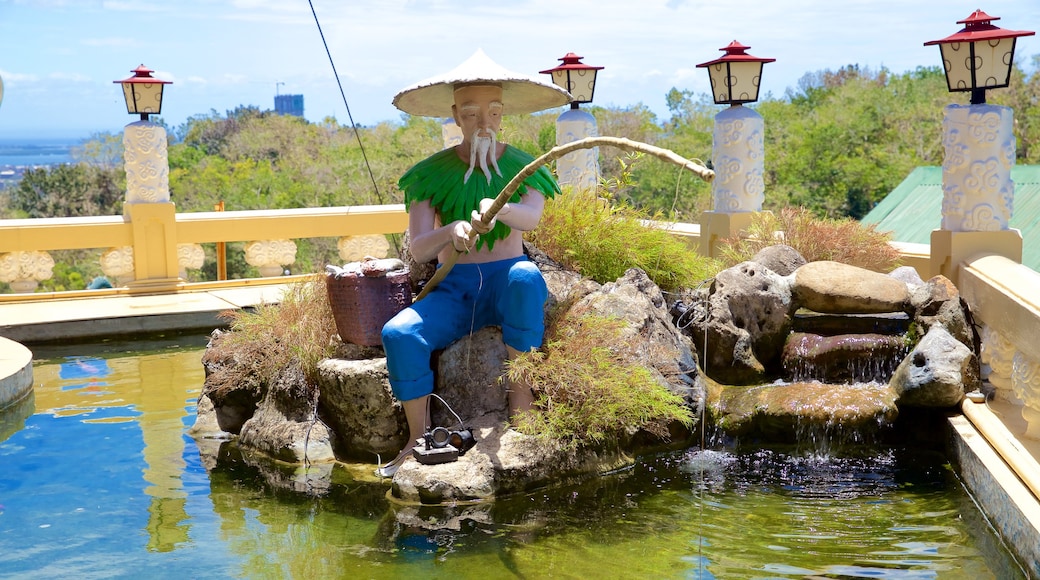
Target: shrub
589	385
298	330
841	240
586	234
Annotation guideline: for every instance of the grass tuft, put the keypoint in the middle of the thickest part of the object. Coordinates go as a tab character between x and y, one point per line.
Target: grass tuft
298	330
839	240
590	386
586	234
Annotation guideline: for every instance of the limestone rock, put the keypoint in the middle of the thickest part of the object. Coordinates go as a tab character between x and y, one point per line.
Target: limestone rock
781	412
937	372
780	258
843	358
285	425
839	288
744	316
357	403
938	302
907	275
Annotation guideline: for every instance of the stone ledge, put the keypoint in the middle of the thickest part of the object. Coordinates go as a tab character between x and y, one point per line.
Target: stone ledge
1009	506
16	376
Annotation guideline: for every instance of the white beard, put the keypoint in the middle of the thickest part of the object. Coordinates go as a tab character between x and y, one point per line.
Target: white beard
483	149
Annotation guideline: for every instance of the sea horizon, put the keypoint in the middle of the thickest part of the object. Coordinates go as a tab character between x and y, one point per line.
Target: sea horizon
36	151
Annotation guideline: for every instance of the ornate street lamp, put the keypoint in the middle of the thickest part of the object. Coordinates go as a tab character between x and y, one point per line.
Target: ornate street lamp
737	152
578	169
979	143
143	93
735	77
979	57
575	77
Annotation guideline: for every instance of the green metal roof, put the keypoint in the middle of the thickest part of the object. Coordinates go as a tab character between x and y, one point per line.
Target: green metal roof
914	209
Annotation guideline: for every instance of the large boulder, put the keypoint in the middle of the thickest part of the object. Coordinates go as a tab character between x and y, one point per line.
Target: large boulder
838	288
937	373
741	322
785	412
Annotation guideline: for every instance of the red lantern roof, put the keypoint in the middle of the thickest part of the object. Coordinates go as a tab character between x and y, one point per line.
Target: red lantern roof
143	74
571	61
977	27
735	52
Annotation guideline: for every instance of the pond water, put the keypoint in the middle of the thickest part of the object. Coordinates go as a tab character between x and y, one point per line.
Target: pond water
98	479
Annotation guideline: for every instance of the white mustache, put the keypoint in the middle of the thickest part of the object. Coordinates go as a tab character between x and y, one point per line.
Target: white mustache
483	149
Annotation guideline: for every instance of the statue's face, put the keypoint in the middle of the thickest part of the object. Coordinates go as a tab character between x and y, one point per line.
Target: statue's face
478	110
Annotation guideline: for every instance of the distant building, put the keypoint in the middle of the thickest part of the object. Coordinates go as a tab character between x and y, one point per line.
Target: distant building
289	105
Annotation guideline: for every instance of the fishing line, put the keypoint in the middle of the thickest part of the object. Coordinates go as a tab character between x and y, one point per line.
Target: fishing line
342	94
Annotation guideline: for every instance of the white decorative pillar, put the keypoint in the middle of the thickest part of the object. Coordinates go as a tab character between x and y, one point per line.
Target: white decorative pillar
271	256
738	190
978	193
147	168
578	169
189	256
1015	376
980	150
118	265
25	270
738	151
357	248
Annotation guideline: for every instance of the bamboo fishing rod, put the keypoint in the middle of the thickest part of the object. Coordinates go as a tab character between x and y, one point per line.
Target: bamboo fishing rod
555	153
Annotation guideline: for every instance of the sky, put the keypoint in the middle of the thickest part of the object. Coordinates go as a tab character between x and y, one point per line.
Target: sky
59	58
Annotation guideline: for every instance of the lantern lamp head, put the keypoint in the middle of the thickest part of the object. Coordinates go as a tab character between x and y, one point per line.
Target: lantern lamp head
575	77
143	93
979	56
735	77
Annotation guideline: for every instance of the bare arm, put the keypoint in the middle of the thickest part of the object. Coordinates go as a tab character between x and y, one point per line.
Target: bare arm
428	237
522	216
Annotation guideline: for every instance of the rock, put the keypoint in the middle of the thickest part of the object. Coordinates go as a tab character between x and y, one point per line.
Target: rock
744	316
504	461
357	403
937	372
890	323
843	358
833	287
937	302
785	412
286	425
782	259
907	275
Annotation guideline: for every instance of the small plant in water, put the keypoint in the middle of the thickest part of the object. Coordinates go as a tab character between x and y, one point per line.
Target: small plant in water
840	240
590	386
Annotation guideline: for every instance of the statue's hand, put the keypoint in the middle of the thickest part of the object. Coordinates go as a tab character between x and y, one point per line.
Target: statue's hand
476	218
460	236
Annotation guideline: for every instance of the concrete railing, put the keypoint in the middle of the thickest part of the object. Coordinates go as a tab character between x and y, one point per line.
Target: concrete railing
151	238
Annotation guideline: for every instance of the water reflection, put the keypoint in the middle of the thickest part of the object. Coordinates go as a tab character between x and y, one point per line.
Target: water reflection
99	479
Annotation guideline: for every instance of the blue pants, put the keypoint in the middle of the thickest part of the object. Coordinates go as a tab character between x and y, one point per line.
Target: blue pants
509	293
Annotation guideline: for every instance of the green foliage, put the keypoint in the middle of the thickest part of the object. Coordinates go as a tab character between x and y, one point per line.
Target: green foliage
296	331
590	387
841	240
588	235
67	191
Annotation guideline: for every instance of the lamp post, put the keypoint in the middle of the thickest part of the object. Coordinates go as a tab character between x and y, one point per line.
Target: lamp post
143	93
737	145
579	168
979	147
147	203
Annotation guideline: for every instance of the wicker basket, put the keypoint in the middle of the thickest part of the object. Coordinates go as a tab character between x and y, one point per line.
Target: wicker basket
361	305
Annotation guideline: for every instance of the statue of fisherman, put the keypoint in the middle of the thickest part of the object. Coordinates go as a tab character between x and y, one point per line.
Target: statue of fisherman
446	196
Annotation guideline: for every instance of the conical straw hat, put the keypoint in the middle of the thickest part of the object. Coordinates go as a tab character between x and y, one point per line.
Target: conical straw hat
521	93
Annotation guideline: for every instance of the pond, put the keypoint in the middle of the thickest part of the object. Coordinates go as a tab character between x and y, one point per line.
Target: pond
98	479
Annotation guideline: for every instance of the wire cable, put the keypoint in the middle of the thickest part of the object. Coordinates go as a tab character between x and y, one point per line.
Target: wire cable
342	94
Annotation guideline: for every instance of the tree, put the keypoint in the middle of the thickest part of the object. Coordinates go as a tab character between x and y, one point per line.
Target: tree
68	191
